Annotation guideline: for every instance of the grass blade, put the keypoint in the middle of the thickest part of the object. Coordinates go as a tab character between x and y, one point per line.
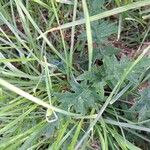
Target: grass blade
111	95
33	99
88	33
102	15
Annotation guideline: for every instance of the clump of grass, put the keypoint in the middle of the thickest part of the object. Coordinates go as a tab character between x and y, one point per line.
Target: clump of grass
76	94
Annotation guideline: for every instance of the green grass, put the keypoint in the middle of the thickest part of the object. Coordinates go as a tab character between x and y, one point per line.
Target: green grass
64	85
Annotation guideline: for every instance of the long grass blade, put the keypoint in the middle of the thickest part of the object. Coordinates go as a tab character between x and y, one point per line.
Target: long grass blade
88	33
111	95
102	15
